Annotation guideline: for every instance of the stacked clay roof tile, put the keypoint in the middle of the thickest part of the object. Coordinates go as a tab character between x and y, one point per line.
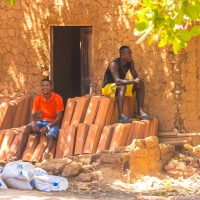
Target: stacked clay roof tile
90	124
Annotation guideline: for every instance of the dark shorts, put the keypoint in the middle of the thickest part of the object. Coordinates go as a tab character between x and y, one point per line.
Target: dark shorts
53	131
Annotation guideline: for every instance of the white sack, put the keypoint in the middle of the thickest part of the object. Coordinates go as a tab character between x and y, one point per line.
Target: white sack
2	184
19	175
49	183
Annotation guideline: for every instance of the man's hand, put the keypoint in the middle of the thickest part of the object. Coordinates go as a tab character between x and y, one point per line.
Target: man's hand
139	82
34	127
136	80
44	130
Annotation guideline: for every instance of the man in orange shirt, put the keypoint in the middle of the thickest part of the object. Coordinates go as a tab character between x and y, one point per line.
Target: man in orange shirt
51	108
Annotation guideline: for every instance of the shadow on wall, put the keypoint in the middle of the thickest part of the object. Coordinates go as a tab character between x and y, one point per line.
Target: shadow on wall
25	55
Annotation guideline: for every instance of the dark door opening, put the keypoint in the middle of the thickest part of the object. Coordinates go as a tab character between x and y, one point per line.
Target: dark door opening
71	60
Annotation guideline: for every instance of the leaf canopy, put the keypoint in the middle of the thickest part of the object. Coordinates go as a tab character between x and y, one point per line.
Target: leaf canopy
172	22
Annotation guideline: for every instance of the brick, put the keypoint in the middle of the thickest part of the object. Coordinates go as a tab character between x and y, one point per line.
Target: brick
92	110
105	139
7	141
43	139
126	134
70	141
80	111
3	110
33	141
60	147
2	134
16	121
141	130
147	128
135	130
102	111
129	138
110	111
151	127
39	150
30	103
25	109
117	136
69	111
82	133
114	118
8	117
13	148
37	155
154	127
92	140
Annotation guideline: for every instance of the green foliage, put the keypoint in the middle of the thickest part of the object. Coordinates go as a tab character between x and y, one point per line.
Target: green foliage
172	22
11	2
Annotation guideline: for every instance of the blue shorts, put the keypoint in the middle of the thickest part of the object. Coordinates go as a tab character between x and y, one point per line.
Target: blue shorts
53	131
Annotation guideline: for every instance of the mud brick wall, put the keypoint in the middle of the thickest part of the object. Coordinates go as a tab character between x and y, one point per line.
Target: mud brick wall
172	82
148	157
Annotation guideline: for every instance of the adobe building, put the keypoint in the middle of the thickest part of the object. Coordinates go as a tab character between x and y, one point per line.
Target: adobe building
72	42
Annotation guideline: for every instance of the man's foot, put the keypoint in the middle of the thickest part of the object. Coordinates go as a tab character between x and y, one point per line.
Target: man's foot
33	161
46	156
124	120
145	116
14	158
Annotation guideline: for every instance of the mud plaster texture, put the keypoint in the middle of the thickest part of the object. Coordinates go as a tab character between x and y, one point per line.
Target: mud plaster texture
172	82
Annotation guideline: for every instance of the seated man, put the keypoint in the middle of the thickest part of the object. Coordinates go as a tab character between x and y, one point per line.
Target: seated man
115	85
51	108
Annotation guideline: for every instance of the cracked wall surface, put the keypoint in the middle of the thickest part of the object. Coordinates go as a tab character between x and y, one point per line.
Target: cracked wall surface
172	82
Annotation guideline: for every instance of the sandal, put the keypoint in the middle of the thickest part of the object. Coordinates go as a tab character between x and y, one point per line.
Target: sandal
145	116
125	120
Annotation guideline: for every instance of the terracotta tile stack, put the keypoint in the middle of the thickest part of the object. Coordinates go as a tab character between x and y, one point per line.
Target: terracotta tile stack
15	112
105	138
60	148
93	137
39	149
70	141
30	147
8	138
69	110
90	124
82	133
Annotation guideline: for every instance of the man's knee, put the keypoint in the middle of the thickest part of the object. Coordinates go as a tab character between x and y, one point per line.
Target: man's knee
138	87
27	129
51	138
121	88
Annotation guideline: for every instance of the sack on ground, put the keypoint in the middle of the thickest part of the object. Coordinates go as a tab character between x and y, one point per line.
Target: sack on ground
2	184
19	175
49	183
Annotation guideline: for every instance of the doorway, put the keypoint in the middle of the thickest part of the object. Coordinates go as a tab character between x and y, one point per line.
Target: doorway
71	60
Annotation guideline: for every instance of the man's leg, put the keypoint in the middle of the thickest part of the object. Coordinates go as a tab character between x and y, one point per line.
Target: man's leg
140	94
51	137
120	92
22	143
50	143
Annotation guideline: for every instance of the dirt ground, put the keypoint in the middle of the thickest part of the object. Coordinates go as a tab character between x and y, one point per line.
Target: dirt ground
107	185
109	188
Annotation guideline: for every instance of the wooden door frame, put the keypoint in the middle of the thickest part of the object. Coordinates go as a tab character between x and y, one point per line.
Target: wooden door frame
51	40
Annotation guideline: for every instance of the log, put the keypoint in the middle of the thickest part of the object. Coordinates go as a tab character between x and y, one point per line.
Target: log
175	141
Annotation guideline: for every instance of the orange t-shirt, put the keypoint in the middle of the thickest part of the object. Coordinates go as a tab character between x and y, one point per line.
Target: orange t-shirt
48	108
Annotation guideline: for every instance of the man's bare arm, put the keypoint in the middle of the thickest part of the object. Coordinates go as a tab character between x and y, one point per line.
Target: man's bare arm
133	71
57	120
115	75
33	120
